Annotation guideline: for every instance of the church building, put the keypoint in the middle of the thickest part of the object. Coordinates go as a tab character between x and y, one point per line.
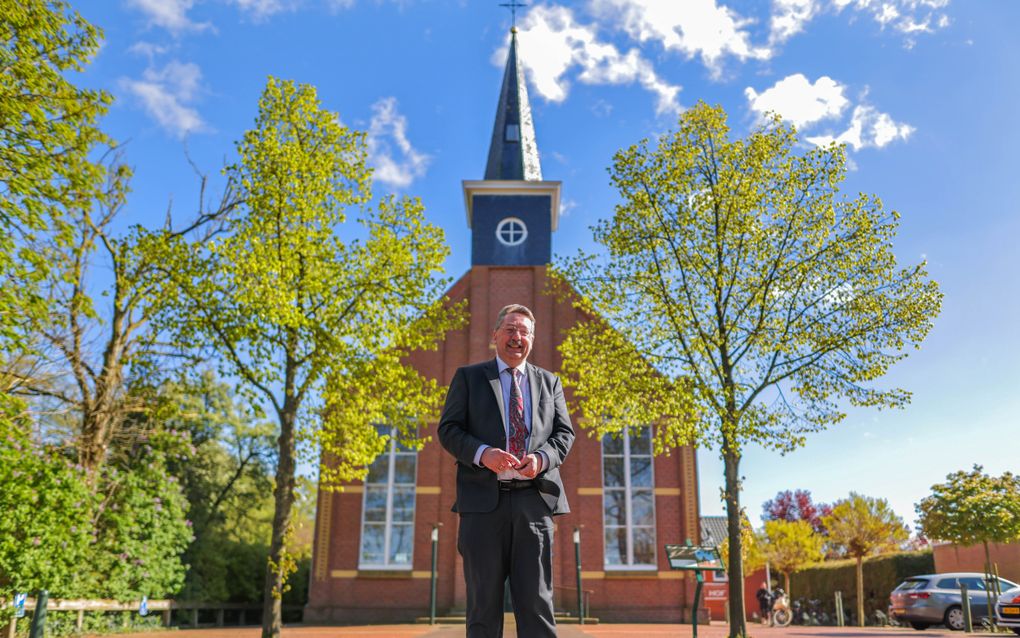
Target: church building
373	551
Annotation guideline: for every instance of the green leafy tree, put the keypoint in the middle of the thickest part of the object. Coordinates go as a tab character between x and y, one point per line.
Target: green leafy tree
971	508
228	481
45	528
791	546
864	526
97	336
315	317
739	296
48	127
141	525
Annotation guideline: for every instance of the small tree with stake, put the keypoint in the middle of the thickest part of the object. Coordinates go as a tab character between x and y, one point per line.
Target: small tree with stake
973	507
790	546
863	526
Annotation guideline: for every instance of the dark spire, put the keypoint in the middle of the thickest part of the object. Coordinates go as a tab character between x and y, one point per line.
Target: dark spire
513	152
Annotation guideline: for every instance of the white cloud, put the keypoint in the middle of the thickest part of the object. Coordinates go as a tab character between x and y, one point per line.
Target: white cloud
790	16
339	5
799	101
552	43
805	105
165	94
262	9
868	128
147	49
567	205
396	162
171	15
908	17
693	27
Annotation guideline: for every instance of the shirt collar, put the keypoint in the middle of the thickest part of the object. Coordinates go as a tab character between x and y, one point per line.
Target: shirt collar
503	366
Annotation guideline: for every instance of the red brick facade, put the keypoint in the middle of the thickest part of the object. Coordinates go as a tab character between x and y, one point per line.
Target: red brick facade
341	593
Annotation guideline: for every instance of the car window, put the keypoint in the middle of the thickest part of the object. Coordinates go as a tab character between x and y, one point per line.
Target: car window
973	583
1005	584
912	583
947	583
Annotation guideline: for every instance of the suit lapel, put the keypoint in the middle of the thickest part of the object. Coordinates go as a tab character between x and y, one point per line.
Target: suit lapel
492	371
536	427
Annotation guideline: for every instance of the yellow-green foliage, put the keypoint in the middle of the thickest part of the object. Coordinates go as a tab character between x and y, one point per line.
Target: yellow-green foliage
751	547
313	314
48	127
972	507
737	297
789	546
864	526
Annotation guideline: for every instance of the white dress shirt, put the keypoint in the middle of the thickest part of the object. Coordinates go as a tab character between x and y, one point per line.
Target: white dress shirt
525	386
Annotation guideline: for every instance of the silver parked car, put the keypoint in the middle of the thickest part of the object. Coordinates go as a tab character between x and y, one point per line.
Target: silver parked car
932	599
1007	610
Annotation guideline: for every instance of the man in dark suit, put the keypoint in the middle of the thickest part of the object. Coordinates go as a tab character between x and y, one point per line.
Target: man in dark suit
506	423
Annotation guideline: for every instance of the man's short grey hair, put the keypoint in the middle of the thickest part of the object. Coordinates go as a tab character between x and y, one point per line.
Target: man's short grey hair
514	308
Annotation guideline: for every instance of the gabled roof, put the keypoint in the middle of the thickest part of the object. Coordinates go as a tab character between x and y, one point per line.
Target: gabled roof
713	530
513	152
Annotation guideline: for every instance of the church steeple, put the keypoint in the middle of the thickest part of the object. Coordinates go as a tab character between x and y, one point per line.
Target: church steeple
512	212
513	151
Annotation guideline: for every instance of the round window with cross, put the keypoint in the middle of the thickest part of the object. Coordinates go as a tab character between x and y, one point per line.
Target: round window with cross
511	232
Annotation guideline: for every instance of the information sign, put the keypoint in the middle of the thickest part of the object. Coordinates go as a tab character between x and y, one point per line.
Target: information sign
693	557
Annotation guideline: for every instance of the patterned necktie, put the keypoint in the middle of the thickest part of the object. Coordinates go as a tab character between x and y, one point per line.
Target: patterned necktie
518	430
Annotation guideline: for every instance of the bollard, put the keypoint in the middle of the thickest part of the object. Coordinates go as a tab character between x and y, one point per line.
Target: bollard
577	559
38	626
968	622
840	621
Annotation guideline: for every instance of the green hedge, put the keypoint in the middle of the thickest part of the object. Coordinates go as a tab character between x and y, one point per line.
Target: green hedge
881	575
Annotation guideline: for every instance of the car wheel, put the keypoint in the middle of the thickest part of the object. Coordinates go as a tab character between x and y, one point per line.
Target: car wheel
954	618
920	626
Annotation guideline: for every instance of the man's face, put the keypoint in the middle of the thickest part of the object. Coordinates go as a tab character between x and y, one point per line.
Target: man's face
513	339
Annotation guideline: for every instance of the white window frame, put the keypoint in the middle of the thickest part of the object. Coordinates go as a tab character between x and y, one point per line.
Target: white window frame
629	565
390	455
502	226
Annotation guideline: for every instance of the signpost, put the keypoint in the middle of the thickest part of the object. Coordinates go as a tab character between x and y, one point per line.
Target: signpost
698	559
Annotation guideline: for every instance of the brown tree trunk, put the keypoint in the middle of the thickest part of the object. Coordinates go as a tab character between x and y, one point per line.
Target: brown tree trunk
276	568
860	591
735	568
789	594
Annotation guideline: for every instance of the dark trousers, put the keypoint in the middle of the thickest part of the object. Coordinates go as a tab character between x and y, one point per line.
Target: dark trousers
513	540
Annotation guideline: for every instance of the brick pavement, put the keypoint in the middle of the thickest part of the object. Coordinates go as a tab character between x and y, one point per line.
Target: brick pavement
715	630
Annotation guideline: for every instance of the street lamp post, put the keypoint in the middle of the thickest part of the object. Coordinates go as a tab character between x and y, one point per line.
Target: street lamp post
577	559
435	556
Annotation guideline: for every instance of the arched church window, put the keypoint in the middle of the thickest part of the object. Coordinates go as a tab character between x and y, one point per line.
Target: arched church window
511	232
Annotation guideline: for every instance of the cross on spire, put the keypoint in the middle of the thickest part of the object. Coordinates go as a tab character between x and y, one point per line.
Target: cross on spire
513	5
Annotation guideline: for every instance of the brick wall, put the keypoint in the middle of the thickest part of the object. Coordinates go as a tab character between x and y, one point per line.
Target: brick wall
953	558
340	593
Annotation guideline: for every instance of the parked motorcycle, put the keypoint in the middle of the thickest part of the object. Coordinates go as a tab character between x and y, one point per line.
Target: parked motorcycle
782	615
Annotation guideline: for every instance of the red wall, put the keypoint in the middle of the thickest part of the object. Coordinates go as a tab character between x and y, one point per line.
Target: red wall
971	558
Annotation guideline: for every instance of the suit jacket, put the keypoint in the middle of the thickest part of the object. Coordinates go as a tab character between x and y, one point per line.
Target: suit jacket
474	414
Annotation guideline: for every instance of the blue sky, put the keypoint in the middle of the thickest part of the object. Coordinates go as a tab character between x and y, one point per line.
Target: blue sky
924	92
